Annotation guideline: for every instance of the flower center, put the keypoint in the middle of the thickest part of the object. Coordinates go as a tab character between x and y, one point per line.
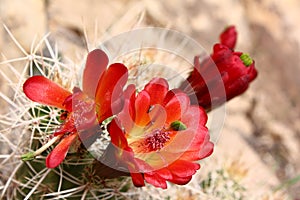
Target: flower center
156	140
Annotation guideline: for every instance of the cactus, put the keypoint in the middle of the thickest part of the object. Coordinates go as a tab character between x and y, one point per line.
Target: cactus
27	126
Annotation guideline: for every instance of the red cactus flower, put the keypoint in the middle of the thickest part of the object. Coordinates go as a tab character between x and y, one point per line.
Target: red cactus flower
100	97
221	77
159	136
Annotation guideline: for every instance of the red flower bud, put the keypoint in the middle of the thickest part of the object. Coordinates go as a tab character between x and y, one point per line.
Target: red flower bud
222	76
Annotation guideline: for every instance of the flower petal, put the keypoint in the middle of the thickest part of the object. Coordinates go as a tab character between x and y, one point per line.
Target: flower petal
176	104
110	90
206	150
155	180
42	90
96	64
129	92
228	37
199	148
117	135
142	106
157	88
194	117
180	180
158	118
59	153
165	173
126	116
183	168
137	179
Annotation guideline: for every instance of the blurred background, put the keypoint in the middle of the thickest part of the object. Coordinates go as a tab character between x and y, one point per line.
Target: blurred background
262	127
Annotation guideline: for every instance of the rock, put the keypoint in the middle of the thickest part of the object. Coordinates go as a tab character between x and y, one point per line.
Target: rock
26	20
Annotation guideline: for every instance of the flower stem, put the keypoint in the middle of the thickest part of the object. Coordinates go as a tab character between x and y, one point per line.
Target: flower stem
32	155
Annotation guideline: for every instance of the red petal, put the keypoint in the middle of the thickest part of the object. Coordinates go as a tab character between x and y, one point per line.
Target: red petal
194	117
183	168
109	91
96	63
129	92
137	179
59	153
117	135
157	89
220	54
126	116
158	118
228	37
176	104
142	106
199	149
155	180
180	180
42	90
252	72
206	150
165	173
